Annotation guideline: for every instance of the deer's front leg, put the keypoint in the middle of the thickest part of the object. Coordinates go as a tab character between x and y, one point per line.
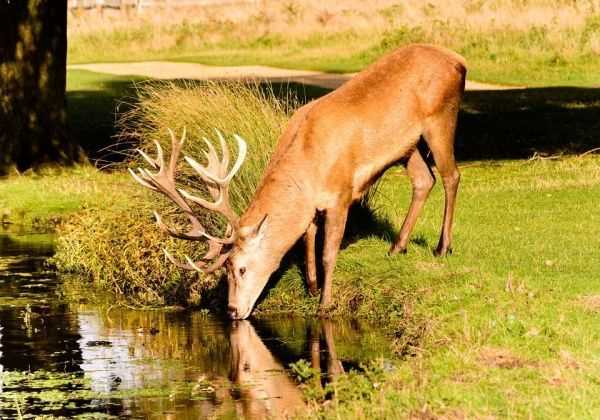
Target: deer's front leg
311	260
335	223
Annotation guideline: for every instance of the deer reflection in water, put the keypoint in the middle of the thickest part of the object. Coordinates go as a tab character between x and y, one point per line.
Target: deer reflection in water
333	365
263	387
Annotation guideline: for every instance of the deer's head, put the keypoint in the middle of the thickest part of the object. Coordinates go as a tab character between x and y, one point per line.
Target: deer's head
241	251
266	390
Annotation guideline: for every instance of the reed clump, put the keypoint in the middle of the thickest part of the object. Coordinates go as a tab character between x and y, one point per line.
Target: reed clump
116	243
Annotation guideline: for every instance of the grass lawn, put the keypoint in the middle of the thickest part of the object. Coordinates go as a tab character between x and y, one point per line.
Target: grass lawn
508	326
509	60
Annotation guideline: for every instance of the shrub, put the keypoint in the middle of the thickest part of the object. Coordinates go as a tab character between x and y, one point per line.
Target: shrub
116	244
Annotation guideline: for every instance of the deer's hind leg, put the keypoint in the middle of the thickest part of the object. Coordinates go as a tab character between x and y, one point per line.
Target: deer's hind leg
439	135
422	180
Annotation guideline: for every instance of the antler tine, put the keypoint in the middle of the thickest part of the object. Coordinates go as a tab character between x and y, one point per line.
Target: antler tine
199	266
225	149
214	249
175	151
164	182
220	194
218	263
242	149
215	206
155	163
141	180
195	233
211	155
188	266
204	173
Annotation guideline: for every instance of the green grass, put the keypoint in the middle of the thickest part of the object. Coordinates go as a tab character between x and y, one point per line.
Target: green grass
46	197
512	57
506	324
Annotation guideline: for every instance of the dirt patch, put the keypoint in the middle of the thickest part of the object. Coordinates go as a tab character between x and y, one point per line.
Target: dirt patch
501	358
591	303
564	373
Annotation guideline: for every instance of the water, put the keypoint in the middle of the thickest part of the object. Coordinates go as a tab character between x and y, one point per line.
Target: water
62	355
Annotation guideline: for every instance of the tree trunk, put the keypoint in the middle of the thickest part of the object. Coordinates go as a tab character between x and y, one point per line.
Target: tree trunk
33	57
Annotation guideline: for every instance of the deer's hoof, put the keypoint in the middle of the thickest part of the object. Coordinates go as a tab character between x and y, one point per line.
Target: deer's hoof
396	250
442	252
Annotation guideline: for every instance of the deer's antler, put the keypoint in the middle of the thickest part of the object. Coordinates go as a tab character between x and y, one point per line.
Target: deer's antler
217	178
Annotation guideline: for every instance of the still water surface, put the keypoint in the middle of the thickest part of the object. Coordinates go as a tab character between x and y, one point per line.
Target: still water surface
63	356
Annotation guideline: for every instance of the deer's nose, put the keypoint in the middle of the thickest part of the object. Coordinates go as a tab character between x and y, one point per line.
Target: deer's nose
232	312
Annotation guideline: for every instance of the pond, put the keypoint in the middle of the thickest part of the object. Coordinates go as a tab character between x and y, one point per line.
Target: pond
64	354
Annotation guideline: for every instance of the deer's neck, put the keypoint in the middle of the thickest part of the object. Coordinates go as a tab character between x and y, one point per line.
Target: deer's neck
288	203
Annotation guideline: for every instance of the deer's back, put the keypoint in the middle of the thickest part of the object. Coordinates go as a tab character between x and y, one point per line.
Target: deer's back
348	136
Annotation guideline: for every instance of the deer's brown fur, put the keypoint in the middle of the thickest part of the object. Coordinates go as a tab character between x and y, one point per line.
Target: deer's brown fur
331	152
334	148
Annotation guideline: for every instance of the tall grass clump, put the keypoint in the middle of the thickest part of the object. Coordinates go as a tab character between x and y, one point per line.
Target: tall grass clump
117	244
251	111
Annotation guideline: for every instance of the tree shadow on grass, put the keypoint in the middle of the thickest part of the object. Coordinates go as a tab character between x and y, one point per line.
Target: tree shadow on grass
512	124
516	124
92	116
502	124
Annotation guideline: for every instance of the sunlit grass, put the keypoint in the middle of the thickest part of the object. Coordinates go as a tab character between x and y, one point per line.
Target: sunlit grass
507	326
50	194
501	326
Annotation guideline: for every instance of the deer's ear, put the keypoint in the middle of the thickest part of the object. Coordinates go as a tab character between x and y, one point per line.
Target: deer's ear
261	227
257	231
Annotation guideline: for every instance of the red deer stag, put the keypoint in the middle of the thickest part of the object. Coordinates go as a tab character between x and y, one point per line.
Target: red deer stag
332	150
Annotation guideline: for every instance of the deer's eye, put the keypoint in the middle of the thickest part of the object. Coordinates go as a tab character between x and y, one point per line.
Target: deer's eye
242	271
